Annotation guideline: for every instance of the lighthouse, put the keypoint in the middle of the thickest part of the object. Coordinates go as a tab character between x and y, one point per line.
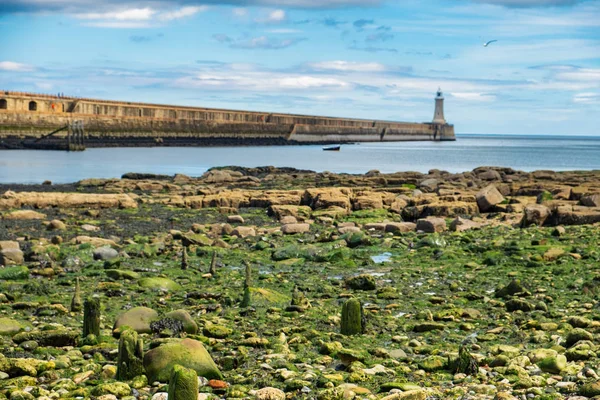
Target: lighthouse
438	115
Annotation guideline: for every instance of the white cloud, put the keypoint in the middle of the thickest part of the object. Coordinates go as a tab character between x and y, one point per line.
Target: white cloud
581	74
15	67
273	17
348	66
133	14
137	17
587	98
181	13
474	96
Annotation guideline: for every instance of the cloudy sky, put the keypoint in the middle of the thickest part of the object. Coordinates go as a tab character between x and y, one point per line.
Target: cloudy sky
351	58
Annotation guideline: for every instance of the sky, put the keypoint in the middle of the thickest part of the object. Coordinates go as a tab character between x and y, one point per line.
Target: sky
373	59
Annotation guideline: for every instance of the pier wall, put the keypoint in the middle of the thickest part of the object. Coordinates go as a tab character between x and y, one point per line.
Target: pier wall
108	123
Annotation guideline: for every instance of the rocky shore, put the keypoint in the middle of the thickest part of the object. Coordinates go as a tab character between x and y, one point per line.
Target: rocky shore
266	283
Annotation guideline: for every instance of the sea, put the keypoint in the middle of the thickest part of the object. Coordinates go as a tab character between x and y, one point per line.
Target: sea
469	151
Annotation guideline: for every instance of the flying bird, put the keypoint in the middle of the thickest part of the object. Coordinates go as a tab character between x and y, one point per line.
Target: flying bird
486	44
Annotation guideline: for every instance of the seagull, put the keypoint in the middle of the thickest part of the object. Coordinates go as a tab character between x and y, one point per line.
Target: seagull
486	44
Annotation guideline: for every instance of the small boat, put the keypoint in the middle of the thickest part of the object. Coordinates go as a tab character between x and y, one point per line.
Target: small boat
332	148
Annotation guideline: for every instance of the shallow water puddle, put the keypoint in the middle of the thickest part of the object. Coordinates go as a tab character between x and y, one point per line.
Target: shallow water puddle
381	258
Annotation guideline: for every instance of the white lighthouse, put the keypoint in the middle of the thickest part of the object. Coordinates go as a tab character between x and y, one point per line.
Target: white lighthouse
438	115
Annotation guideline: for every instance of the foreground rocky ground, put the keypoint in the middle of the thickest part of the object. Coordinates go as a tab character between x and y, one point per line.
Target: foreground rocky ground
478	285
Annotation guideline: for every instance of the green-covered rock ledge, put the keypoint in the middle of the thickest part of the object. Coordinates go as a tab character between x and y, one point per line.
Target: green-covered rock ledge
274	284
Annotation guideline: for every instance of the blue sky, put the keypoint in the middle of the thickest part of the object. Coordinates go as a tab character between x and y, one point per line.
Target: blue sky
350	58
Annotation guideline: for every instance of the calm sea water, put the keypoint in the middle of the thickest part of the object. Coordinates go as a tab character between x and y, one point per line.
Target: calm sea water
527	153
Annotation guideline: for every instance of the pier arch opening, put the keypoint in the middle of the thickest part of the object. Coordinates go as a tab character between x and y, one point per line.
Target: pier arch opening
3	104
32	106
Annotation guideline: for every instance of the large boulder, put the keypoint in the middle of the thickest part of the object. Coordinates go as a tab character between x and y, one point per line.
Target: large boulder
488	197
159	362
138	319
189	325
535	214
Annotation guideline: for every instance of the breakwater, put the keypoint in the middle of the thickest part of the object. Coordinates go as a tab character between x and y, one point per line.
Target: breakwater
27	116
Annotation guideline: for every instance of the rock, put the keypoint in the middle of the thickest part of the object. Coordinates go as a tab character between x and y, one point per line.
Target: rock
553	364
295	228
429	326
159	284
105	254
217	331
235	219
431	225
138	319
270	393
94	241
118	274
90	228
196	240
429	185
243	231
367	201
65	200
461	224
590	389
288	220
298	212
56	225
189	325
592	200
401	227
535	214
576	335
159	362
9	327
56	337
10	253
14	273
361	282
24	215
119	389
11	257
488	197
433	363
489	175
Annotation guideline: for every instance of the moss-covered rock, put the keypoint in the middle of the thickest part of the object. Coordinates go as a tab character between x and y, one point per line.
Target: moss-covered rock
553	364
9	327
138	319
159	362
158	283
189	325
55	337
119	389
